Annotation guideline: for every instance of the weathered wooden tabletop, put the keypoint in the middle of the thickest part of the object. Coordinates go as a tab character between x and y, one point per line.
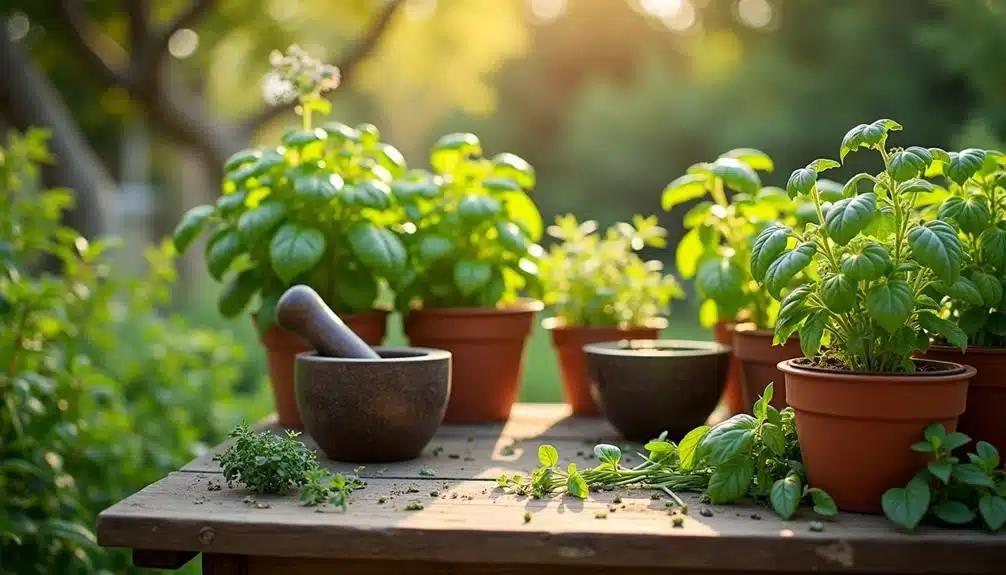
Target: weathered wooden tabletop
468	525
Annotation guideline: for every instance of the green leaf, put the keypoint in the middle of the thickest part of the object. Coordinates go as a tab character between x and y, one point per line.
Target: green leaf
548	456
785	495
301	138
970	474
766	248
996	324
962	289
988	453
241	158
936	246
755	159
823	503
973	320
941	470
367	194
792	312
761	404
730	481
727	440
948	329
609	453
736	175
801	182
222	252
972	213
871	135
823	164
294	250
356	290
227	204
907	506
909	163
720	279
915	186
433	247
341	132
475	208
812	332
955	440
890	304
392	159
511	237
851	188
838	292
993	511
318	187
989	287
688	253
267	309
451	150
500	185
848	217
992	244
964	164
576	486
238	292
953	512
72	533
697	214
688	447
513	167
377	248
522	211
683	189
785	268
256	224
190	226
774	438
470	276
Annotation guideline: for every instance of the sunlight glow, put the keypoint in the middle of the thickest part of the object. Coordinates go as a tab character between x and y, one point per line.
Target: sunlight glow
755	13
282	10
183	43
661	8
18	26
681	19
420	9
545	11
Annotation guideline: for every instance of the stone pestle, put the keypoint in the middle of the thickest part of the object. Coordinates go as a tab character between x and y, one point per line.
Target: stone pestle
302	311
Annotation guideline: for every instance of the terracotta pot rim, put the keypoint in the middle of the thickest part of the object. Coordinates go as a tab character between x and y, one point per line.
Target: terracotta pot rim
973	350
954	372
407	355
553	324
650	348
749	328
518	307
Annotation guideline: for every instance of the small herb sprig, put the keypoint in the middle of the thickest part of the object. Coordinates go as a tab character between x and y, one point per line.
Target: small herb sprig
267	464
747	455
949	490
326	489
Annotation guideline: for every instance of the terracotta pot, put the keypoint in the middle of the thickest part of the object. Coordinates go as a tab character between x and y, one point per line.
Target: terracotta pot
568	342
646	387
983	419
733	395
855	429
487	347
758	360
282	346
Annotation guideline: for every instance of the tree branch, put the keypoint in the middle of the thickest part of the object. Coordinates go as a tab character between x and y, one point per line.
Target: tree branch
138	12
97	48
347	65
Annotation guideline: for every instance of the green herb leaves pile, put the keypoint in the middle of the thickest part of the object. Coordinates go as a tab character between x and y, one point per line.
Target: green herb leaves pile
322	488
267	464
591	279
950	490
747	455
871	260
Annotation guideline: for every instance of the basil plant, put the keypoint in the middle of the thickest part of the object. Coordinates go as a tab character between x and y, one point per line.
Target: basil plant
315	210
716	248
471	230
591	279
872	261
975	204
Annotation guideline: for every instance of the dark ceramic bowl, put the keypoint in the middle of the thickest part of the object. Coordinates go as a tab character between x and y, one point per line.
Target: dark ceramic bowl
372	411
647	386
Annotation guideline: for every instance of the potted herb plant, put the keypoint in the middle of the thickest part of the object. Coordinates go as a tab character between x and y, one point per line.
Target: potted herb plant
600	290
315	210
858	396
976	207
470	237
715	251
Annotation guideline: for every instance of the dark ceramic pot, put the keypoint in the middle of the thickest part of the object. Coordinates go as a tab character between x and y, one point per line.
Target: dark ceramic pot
371	411
645	387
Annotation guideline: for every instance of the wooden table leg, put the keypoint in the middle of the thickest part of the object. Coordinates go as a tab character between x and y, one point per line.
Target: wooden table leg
219	564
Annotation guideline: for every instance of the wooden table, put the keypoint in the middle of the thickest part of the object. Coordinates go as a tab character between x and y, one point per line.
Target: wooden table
469	526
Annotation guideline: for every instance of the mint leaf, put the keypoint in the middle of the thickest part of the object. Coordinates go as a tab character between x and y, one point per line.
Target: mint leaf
890	304
377	248
812	332
470	276
948	329
688	447
785	495
683	189
964	164
801	182
848	217
190	226
221	253
730	481
907	506
736	175
317	188
728	439
257	223
936	246
909	163
838	292
872	262
548	456
953	512
823	503
972	213
790	263
993	511
767	246
992	244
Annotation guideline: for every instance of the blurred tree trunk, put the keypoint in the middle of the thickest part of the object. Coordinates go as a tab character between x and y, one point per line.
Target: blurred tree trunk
29	99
